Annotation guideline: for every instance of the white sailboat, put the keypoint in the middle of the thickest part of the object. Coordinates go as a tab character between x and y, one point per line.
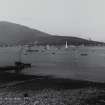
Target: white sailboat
66	46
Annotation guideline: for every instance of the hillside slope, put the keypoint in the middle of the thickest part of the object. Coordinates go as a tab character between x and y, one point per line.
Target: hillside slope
15	34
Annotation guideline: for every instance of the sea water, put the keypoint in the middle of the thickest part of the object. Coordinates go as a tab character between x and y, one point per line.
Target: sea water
86	63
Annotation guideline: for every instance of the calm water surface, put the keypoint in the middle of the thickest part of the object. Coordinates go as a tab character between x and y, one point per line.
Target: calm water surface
87	63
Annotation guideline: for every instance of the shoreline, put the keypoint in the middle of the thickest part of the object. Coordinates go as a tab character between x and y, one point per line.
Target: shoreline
46	81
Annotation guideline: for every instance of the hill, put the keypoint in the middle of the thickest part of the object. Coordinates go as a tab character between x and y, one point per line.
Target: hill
15	34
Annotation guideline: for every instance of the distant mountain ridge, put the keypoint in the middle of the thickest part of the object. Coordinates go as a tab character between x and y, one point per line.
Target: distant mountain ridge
15	34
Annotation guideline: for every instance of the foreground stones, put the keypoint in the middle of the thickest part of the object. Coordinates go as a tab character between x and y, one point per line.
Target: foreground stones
84	96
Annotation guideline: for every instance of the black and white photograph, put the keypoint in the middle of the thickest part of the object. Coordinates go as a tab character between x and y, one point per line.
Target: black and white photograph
52	52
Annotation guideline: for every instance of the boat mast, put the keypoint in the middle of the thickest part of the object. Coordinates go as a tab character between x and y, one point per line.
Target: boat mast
66	45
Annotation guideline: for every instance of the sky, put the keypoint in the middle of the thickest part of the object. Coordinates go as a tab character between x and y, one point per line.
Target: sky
82	18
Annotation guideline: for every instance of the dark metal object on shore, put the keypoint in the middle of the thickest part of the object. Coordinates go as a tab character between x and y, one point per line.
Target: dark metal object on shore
22	64
17	67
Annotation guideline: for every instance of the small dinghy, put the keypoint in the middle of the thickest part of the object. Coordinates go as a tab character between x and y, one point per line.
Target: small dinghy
83	54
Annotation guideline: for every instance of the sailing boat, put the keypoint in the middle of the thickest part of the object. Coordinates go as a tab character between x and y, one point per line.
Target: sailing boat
30	49
66	46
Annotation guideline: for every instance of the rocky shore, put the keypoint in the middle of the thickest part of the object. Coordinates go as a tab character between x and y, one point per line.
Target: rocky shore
46	90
